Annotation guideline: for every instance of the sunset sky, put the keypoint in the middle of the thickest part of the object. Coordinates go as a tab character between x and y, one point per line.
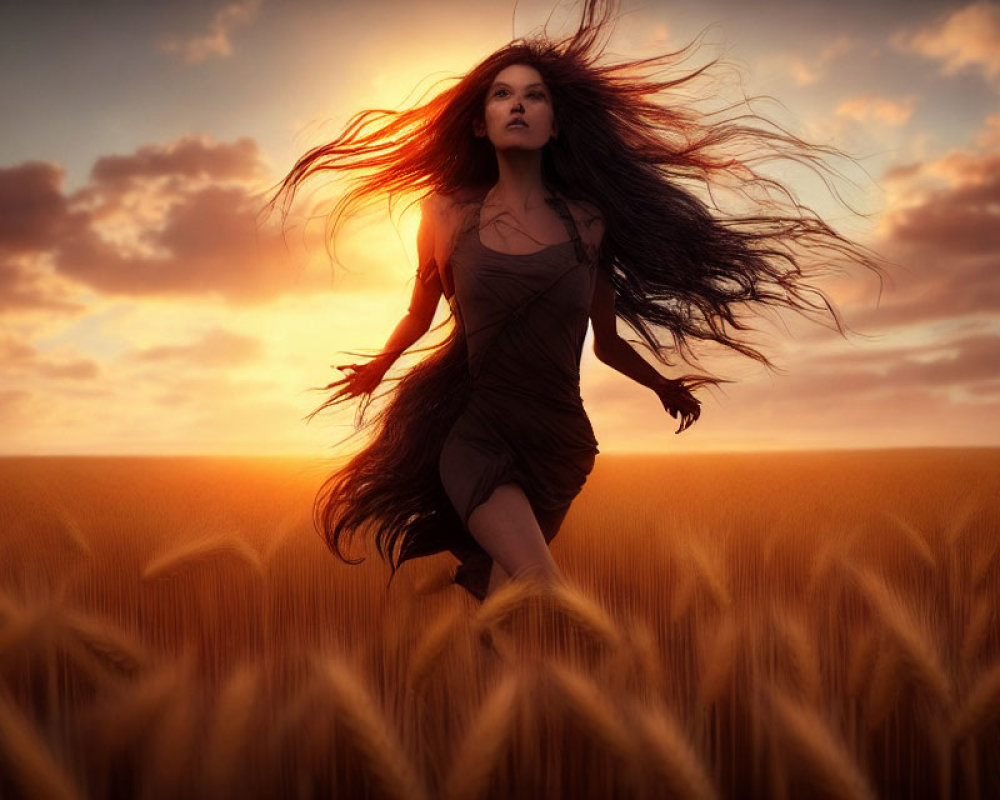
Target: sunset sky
146	309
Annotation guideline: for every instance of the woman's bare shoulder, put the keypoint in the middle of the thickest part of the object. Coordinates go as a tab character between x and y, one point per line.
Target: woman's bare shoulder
448	206
589	220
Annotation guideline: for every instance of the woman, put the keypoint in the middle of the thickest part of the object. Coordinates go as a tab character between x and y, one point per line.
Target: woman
555	192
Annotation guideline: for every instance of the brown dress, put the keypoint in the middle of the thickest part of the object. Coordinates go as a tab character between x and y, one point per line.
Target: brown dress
524	319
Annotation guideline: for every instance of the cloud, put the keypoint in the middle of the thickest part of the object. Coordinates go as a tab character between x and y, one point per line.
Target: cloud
216	40
19	357
962	218
205	243
26	288
32	206
16	407
216	348
188	157
967	38
81	369
990	137
809	70
942	228
871	107
960	362
170	220
33	214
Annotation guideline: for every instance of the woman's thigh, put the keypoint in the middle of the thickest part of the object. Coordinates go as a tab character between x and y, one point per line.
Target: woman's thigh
505	526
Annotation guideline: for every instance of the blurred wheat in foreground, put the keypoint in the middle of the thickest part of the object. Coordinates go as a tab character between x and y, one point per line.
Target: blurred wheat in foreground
820	625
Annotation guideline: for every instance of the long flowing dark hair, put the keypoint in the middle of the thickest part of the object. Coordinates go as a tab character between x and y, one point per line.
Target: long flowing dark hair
685	266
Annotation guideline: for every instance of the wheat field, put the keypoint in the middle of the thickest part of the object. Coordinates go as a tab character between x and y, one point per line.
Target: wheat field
771	625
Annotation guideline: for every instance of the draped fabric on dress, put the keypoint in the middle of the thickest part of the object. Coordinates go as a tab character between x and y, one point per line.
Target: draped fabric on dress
515	413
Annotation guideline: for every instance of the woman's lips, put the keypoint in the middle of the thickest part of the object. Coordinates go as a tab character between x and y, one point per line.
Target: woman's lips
517	123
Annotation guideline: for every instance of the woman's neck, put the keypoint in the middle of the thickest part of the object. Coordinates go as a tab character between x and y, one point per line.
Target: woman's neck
519	185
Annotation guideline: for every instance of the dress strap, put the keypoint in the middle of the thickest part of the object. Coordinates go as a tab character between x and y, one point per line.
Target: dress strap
567	217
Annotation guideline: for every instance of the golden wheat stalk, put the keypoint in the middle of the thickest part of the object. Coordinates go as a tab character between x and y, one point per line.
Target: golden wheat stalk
46	633
8	608
647	656
484	743
72	532
106	642
232	730
594	709
825	559
138	707
915	646
281	534
171	760
499	605
960	523
718	652
860	661
682	593
429	649
918	544
27	628
357	710
983	560
586	615
982	706
711	572
203	549
818	751
803	659
28	761
672	758
883	686
978	630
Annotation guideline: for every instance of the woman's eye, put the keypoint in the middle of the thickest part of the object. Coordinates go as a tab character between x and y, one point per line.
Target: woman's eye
530	94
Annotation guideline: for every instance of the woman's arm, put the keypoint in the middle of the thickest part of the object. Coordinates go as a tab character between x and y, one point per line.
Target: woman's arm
618	354
609	347
363	378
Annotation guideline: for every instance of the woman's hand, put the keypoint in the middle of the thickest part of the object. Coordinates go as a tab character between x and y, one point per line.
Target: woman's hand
360	379
678	401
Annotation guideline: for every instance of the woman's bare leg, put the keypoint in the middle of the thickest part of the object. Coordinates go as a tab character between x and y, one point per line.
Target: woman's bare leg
549	522
498	577
506	528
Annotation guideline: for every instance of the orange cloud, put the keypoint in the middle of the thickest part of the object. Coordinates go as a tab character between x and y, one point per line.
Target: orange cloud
216	348
33	214
216	41
18	357
961	218
806	71
175	219
991	136
969	37
15	406
963	361
871	107
188	157
943	229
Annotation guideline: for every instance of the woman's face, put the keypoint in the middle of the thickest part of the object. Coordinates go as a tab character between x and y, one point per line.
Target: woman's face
518	112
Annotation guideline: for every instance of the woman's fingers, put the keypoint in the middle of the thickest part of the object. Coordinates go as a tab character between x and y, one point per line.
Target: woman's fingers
681	405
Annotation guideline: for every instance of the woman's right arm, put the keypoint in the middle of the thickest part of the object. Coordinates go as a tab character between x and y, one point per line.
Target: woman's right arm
363	378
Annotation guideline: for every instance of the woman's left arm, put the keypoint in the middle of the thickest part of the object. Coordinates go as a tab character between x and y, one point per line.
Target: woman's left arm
618	354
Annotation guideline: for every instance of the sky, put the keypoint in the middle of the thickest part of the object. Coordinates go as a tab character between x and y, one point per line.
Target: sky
146	308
